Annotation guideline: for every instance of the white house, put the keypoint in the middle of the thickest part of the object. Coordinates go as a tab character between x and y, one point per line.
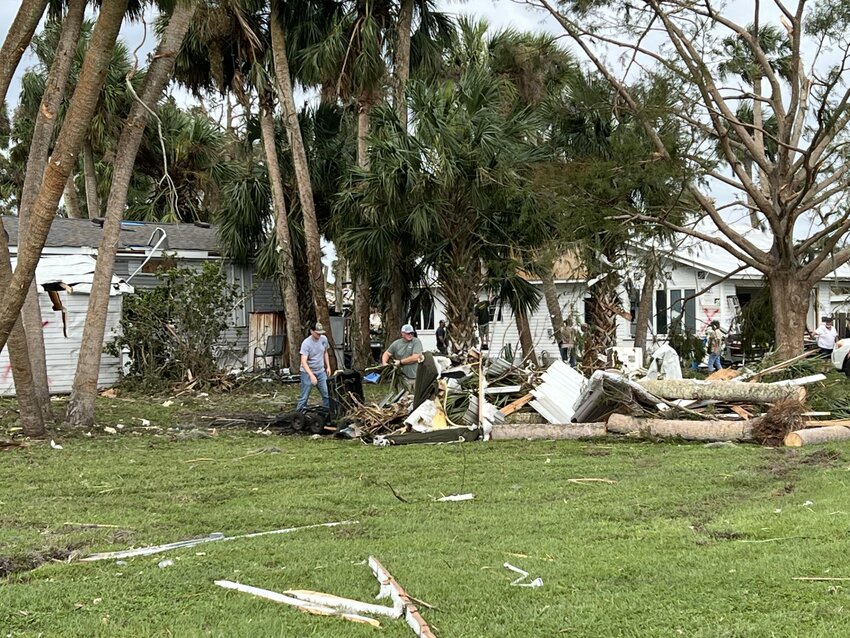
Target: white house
697	274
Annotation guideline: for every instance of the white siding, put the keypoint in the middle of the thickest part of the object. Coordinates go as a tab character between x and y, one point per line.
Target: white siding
570	298
62	352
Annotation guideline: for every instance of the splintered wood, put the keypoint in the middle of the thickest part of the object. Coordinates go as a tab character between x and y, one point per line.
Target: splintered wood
391	588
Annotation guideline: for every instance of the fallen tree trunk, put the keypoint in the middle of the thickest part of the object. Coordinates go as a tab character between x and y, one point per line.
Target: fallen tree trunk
811	436
540	431
688	430
723	390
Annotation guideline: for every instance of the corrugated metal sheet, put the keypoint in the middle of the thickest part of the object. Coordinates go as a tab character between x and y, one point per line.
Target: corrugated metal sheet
556	395
61	352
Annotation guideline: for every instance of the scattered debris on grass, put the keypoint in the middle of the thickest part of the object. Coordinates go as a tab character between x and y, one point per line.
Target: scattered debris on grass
215	537
456	497
301	605
323	604
523	575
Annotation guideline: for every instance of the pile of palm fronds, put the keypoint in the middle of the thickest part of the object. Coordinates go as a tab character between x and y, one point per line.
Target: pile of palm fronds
373	419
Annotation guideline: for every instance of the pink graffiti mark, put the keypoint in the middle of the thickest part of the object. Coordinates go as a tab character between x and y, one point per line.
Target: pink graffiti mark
6	371
45	323
710	314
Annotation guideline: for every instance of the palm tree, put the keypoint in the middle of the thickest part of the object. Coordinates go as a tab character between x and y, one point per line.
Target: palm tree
236	37
81	405
285	90
17	40
355	52
68	144
56	48
458	182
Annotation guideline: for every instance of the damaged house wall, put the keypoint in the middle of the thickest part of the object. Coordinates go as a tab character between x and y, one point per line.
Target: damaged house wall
63	312
143	248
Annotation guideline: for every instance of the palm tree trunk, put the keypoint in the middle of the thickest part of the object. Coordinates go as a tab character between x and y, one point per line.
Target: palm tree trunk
550	293
72	199
525	339
362	352
90	175
644	310
51	101
402	61
603	323
30	414
61	163
394	319
17	40
81	405
302	176
360	329
284	242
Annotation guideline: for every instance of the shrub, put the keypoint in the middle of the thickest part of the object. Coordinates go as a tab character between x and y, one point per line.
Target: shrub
174	330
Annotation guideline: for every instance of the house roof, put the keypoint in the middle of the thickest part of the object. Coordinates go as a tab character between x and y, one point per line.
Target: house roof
85	233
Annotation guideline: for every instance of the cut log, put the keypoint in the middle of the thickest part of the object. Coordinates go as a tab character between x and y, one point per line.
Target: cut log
813	436
688	430
723	391
541	431
510	408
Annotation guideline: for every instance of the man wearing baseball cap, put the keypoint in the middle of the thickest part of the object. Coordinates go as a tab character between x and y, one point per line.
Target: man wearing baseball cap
315	365
405	353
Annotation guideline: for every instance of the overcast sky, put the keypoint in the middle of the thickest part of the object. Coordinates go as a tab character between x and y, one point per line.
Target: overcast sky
499	13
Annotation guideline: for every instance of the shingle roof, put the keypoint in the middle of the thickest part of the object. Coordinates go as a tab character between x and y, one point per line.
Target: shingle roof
85	233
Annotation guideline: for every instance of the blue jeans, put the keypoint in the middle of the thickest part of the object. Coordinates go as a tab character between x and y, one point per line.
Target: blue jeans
714	362
306	387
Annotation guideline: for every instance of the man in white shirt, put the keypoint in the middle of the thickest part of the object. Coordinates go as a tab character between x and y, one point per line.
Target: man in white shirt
826	336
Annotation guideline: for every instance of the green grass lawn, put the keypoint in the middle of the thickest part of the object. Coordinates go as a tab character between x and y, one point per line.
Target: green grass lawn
689	540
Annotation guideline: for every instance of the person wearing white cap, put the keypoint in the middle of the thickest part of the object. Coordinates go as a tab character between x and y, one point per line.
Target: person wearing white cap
315	366
405	353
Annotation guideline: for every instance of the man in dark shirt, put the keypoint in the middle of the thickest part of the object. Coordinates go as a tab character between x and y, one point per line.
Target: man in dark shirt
442	342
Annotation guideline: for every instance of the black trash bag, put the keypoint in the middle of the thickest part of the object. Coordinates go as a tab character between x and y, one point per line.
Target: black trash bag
341	387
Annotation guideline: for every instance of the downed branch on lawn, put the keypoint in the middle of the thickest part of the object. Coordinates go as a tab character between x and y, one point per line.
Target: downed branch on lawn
212	538
782	418
322	604
302	605
391	589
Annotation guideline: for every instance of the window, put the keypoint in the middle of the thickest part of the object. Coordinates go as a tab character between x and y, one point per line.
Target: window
669	308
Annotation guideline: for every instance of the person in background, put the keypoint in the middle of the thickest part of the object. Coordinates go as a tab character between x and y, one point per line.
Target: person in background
315	366
405	354
442	342
567	342
826	335
714	345
482	311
